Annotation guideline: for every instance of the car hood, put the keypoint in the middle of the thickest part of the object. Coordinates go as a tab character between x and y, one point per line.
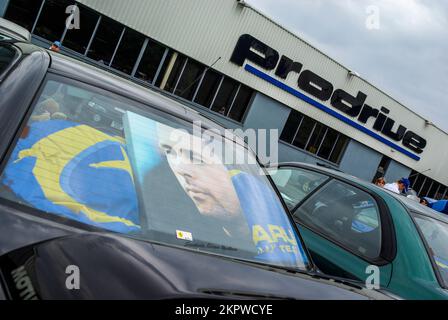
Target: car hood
38	256
106	266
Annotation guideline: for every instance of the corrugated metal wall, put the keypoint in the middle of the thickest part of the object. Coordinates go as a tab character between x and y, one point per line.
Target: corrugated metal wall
208	29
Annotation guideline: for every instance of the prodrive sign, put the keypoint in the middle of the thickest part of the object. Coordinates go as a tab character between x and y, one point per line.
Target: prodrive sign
355	112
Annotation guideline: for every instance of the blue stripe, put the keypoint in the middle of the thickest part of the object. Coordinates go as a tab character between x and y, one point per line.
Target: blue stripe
325	109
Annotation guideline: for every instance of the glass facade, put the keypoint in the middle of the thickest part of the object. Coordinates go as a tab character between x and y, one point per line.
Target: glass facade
113	45
151	59
78	39
23	12
128	51
314	137
52	19
208	88
427	187
105	41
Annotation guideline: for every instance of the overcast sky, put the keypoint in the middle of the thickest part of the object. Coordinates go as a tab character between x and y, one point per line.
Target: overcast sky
407	56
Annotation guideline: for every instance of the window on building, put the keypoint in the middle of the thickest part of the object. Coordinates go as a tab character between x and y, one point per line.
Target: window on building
425	189
413	178
128	51
78	39
291	126
150	62
314	137
176	73
433	190
51	22
339	149
189	80
105	41
23	12
304	133
442	193
225	96
160	78
418	184
208	88
328	143
241	103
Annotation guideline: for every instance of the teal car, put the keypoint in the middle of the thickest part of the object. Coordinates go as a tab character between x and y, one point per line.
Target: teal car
356	230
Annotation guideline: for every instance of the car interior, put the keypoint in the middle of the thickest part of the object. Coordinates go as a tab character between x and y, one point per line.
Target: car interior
348	217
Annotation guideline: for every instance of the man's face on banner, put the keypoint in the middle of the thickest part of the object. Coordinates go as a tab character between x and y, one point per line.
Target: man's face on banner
203	176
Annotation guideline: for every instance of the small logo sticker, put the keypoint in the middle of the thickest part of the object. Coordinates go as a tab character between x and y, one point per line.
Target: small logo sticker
183	235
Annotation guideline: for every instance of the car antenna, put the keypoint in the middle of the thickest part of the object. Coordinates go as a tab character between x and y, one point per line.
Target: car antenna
200	77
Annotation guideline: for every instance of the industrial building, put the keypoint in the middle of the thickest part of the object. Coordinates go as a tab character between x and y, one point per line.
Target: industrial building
231	62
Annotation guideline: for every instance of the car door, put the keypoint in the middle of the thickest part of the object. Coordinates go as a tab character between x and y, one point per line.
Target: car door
340	223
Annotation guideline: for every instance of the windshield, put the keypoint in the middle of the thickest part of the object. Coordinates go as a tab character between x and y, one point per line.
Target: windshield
295	184
96	158
435	233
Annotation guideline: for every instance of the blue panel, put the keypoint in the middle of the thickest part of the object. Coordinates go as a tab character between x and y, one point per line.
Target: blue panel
266	113
396	171
360	161
325	109
3	6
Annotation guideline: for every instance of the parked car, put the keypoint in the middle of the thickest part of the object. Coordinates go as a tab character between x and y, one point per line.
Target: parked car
102	189
9	30
350	225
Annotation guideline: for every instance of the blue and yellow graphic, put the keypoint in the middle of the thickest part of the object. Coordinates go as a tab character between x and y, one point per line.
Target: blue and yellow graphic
272	234
77	172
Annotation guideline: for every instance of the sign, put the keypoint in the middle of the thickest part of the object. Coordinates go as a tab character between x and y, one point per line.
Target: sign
355	112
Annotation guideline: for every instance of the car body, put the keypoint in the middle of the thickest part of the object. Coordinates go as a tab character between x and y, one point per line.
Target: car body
97	179
354	228
10	30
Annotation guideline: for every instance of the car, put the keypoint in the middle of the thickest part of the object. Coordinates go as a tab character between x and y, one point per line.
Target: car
105	195
9	30
353	228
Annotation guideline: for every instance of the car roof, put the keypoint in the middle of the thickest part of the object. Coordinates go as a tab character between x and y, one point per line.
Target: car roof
410	204
14	30
327	170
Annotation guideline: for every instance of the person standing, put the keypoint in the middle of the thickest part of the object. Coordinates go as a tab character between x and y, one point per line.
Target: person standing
55	46
380	182
401	186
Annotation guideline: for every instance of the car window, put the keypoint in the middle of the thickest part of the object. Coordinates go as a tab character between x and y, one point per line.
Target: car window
4	37
7	56
96	158
435	234
346	215
295	184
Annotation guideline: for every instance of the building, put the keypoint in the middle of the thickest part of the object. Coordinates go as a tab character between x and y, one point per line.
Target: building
236	65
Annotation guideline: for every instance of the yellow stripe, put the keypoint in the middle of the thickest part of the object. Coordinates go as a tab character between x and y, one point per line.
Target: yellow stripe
55	151
233	173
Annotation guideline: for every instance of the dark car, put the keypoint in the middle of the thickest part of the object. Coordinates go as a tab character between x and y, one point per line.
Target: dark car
9	30
103	194
351	226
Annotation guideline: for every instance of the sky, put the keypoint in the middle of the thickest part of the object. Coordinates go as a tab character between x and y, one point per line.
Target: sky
400	46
